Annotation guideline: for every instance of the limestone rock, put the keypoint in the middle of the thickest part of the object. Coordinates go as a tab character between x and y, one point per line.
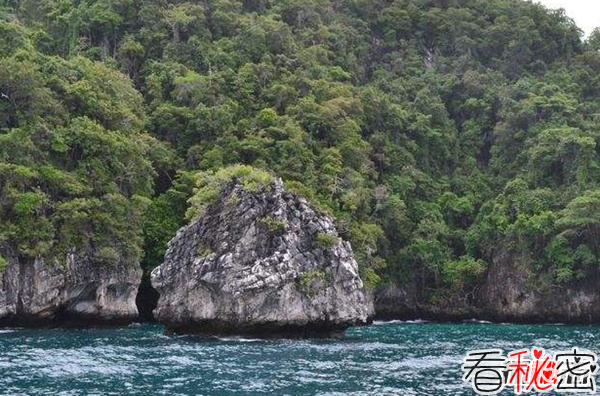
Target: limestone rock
80	291
260	262
512	291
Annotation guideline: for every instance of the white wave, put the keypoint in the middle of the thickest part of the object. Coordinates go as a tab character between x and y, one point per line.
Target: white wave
478	321
388	322
238	339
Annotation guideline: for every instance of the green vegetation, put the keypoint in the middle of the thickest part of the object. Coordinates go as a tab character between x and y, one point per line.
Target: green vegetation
369	277
273	225
164	216
203	251
312	281
3	266
436	132
462	273
211	183
326	240
309	275
75	167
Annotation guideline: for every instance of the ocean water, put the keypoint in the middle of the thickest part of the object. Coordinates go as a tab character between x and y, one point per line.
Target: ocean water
387	358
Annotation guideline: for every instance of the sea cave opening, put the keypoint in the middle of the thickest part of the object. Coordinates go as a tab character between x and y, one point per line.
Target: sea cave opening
146	300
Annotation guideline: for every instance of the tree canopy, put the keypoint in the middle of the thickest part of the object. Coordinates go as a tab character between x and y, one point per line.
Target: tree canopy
434	131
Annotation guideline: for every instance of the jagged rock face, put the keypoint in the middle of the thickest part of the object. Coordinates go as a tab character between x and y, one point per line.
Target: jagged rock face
396	302
38	292
512	293
253	263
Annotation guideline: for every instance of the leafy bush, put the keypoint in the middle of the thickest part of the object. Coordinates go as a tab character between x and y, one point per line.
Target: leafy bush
326	240
273	224
3	266
369	277
463	272
210	184
107	255
312	281
310	275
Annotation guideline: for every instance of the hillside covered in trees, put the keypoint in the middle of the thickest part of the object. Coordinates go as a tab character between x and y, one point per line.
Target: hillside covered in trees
434	131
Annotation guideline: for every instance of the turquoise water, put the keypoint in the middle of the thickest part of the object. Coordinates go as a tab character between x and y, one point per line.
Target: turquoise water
393	358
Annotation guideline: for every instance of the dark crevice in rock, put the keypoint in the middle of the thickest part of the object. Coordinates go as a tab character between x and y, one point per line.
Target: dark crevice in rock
146	300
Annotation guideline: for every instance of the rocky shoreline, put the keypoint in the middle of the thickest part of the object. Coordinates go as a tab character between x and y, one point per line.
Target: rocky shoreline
509	294
80	291
264	263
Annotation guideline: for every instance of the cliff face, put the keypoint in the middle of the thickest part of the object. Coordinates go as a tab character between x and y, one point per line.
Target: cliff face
37	291
511	292
396	302
259	262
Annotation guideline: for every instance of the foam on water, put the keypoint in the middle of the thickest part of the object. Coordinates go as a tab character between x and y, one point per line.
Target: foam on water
390	358
390	322
238	339
477	321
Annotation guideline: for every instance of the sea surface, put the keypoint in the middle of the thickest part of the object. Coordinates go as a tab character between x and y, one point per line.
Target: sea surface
387	358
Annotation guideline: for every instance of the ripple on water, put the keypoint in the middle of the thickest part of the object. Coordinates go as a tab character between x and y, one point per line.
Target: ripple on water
390	358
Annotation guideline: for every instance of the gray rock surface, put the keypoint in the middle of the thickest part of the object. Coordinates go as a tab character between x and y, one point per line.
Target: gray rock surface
253	264
511	292
396	302
81	291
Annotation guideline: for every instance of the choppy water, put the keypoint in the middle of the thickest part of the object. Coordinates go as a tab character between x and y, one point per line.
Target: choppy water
393	358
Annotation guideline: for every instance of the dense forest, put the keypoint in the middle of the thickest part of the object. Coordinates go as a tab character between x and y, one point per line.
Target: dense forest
433	131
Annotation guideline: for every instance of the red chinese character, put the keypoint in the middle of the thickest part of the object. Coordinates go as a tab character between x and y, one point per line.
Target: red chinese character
518	369
543	373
